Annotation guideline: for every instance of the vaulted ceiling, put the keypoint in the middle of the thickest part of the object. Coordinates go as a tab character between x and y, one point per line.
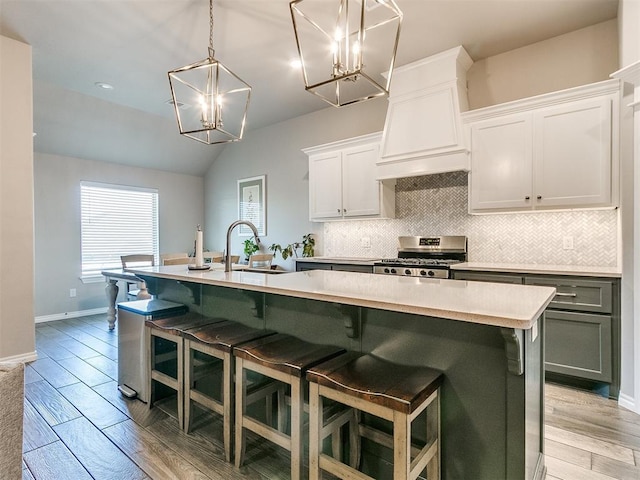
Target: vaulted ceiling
132	44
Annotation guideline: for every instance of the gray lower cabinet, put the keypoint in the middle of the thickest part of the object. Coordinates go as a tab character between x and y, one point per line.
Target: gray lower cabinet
345	267
582	330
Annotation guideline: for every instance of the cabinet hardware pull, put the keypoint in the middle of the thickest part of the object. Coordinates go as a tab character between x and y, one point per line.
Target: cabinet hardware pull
338	210
344	210
539	197
562	294
527	197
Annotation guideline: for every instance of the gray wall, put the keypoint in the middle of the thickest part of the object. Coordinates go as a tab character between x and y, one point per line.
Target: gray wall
57	224
275	151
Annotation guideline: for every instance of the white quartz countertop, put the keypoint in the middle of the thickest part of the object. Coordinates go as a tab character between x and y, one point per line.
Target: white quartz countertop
576	270
503	305
345	260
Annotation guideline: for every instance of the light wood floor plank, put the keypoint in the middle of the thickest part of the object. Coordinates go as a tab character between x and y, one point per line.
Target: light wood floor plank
97	410
134	409
53	373
36	431
105	365
614	469
568	453
96	453
85	372
151	454
568	471
77	348
592	445
55	462
30	375
53	407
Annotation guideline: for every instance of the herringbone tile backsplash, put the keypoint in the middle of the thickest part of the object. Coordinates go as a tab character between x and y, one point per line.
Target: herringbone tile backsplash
437	205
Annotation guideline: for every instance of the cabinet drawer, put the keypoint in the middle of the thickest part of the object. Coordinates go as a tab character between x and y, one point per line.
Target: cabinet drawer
304	266
578	344
577	294
487	277
352	268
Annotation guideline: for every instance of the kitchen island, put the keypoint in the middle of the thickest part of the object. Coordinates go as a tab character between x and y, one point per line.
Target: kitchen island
486	338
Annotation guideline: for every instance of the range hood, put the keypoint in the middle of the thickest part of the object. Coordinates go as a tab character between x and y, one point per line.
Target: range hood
423	131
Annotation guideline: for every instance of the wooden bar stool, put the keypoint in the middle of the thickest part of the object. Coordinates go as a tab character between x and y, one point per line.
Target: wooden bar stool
204	349
165	356
396	393
284	358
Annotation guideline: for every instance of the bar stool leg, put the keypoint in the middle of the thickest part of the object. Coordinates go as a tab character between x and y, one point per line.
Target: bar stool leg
433	425
188	367
315	429
180	386
297	409
241	382
401	449
227	403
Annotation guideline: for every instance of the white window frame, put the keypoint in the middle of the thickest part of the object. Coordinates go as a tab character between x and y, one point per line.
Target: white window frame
116	220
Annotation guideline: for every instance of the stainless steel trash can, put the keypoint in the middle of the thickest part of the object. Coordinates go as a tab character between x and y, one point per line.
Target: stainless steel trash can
132	351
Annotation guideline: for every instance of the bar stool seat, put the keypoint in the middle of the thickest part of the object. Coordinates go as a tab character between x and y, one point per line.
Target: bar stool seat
204	348
396	393
284	358
165	356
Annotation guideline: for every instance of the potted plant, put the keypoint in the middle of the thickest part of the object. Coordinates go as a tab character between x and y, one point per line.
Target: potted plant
250	247
291	250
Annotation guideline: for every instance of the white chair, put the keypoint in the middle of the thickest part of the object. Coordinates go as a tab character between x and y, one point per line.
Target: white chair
135	260
167	256
261	260
178	261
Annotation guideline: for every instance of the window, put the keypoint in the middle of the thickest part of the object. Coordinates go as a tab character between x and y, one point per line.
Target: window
116	220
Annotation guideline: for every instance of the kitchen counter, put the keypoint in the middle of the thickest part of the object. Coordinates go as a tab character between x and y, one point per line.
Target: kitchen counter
575	270
487	339
340	260
502	305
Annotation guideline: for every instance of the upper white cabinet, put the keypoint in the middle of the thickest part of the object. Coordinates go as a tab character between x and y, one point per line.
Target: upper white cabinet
549	152
342	181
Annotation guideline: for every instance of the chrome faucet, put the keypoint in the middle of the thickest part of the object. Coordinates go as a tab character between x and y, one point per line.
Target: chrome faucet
227	261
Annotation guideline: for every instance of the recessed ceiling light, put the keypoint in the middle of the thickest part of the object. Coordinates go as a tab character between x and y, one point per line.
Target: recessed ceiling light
104	86
180	104
295	64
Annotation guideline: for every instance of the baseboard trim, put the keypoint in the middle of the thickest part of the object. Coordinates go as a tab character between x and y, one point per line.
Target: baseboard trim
22	358
62	316
627	402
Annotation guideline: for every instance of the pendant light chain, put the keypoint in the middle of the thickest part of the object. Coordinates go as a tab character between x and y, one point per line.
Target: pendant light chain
211	50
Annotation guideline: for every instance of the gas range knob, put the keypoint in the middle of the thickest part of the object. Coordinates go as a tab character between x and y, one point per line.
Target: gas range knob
393	270
423	272
386	270
431	273
407	272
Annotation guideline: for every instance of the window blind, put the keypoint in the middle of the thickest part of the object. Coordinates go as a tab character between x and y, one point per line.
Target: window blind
116	220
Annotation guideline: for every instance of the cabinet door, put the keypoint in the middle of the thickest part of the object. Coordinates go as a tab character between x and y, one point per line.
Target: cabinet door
578	344
325	185
360	189
573	154
501	156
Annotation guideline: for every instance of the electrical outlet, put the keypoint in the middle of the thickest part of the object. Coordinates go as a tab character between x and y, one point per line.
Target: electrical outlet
567	242
72	292
365	242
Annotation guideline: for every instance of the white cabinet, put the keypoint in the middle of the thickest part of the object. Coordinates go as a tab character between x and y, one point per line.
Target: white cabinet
548	152
342	181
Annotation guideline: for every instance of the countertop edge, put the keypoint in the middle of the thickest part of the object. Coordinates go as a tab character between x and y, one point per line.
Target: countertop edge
251	281
573	270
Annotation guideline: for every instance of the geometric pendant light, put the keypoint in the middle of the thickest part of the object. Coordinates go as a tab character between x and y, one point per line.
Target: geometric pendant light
347	48
210	100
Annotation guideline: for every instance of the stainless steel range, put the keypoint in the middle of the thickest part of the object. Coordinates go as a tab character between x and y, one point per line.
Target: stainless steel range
424	257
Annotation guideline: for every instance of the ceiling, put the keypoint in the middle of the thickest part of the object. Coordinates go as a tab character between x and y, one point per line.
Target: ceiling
132	44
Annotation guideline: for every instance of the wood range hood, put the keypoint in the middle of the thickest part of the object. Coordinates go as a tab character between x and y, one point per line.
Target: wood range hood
423	131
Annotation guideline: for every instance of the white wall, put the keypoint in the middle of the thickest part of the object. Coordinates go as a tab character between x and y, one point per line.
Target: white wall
57	224
17	335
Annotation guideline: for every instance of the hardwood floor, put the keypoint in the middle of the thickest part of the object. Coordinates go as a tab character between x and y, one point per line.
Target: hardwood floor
78	426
